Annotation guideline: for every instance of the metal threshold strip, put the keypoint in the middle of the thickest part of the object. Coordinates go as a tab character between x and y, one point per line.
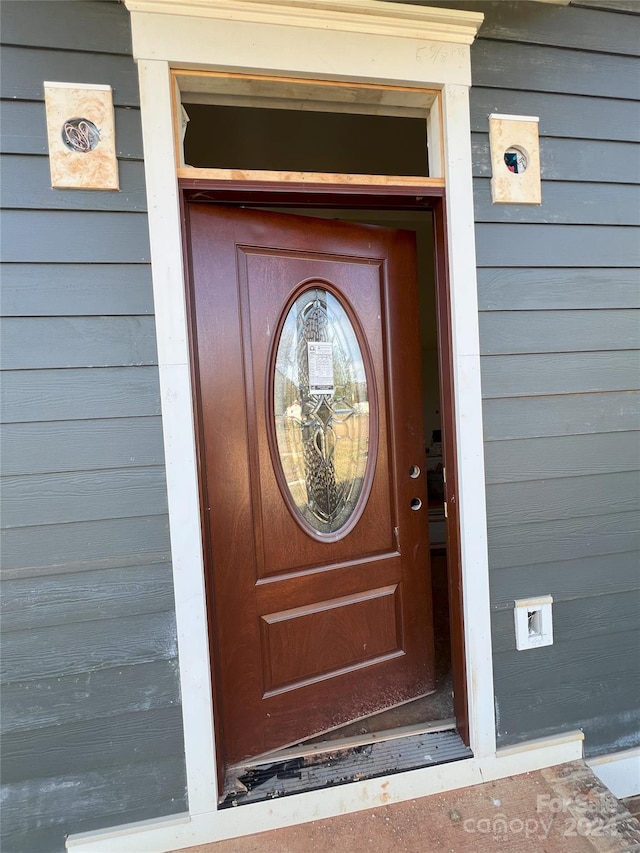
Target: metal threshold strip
300	769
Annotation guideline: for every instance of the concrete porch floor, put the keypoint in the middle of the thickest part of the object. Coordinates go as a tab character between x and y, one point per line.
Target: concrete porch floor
564	808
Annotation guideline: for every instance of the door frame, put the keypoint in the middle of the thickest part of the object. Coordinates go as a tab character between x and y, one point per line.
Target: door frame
440	61
336	196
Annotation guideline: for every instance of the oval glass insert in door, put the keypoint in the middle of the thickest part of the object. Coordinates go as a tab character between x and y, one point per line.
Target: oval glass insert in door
321	409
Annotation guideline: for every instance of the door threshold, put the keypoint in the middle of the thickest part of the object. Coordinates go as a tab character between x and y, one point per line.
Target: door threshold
298	769
302	750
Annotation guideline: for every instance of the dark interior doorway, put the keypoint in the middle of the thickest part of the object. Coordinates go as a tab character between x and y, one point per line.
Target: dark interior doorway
437	709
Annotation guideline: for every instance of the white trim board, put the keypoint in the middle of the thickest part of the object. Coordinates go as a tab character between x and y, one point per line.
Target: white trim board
292	49
163	42
368	16
619	771
180	831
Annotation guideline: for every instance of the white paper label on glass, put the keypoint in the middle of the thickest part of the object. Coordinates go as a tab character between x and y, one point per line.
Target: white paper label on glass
321	380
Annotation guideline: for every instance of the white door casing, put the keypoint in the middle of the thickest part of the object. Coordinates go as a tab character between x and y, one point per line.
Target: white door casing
285	39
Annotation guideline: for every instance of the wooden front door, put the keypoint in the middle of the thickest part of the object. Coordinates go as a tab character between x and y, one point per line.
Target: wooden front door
308	388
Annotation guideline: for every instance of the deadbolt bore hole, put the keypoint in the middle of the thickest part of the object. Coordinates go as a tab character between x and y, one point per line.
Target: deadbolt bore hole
416	504
414	472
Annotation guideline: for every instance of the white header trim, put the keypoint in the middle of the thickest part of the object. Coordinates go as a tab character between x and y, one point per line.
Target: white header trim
366	16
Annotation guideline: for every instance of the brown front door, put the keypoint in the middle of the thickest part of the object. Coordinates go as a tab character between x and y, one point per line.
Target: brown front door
307	364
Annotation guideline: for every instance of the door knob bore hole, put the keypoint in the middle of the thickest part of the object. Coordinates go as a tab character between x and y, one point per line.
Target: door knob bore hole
414	472
416	504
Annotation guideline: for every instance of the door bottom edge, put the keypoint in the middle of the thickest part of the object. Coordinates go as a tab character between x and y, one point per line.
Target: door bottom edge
285	776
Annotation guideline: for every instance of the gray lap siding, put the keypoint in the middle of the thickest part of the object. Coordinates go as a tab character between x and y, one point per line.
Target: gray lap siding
559	298
91	717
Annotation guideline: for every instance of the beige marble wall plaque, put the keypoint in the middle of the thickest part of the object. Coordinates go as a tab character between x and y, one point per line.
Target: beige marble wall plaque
80	128
515	159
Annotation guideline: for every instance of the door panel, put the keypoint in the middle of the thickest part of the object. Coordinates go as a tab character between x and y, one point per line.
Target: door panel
312	641
311	627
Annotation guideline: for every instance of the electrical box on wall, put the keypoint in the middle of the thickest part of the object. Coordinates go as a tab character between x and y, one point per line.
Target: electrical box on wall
533	622
81	134
515	159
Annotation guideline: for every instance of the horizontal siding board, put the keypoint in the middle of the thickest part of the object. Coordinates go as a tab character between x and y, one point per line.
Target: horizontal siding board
77	342
555	26
515	245
24	71
53	838
101	594
512	332
65	236
92	744
26	184
563	498
559	373
78	394
69	799
615	732
105	26
41	499
576	620
561	456
535	68
23	129
590	161
63	290
85	545
57	446
563	539
566	116
593	162
549	665
566	685
564	414
17	839
630	6
88	646
59	700
605	732
599	574
557	288
564	203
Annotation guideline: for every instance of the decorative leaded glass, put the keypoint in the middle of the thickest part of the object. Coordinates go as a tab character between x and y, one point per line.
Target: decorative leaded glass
321	409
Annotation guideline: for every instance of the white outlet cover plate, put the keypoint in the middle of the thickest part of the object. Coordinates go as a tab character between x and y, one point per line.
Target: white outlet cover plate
525	639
